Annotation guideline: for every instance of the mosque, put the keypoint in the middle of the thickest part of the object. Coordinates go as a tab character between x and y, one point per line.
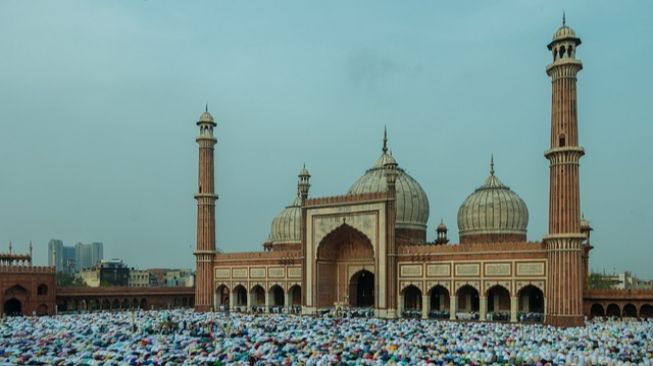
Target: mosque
367	248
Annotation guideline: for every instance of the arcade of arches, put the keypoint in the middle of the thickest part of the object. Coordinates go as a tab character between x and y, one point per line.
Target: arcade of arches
496	303
275	298
617	310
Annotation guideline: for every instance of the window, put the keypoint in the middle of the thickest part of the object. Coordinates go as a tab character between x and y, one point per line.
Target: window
42	290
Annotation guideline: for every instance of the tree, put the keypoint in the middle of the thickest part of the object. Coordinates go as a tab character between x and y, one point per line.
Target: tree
68	280
599	281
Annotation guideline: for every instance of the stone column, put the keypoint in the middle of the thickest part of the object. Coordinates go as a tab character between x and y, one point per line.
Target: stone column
453	307
249	302
513	308
400	305
267	302
482	304
286	301
231	301
425	306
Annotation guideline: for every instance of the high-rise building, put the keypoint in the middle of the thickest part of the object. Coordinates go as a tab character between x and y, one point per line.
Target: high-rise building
74	259
87	255
61	257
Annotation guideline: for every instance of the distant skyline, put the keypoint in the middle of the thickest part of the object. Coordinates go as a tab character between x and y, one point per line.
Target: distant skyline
100	99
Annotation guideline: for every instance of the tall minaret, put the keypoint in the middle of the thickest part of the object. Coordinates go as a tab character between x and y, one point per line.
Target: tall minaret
564	292
206	197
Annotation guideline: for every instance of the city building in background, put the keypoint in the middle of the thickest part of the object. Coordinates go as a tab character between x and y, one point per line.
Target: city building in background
139	278
179	278
621	281
167	277
72	259
107	272
87	255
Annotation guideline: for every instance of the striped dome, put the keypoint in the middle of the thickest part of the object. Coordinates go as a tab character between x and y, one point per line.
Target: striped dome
493	209
286	226
412	205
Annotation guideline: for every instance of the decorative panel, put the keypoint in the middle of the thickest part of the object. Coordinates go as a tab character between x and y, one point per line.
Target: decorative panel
276	272
239	272
472	269
258	272
497	269
438	270
295	272
222	272
530	269
411	270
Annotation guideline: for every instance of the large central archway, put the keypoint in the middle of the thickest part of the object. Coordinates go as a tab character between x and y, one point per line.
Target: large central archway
345	266
361	289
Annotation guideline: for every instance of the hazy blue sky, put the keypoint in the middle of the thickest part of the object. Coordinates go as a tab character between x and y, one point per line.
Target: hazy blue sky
98	103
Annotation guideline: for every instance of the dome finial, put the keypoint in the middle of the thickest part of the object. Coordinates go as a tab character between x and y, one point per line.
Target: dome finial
206	107
492	164
385	140
564	20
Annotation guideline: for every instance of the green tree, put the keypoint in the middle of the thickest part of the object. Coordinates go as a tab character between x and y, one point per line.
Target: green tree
68	280
599	281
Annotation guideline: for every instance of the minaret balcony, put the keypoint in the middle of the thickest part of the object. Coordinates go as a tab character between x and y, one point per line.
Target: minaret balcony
564	155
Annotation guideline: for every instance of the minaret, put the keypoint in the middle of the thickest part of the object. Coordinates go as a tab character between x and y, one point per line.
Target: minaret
303	186
564	292
390	170
206	197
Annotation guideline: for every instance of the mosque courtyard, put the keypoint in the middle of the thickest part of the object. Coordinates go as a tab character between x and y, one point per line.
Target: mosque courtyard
185	337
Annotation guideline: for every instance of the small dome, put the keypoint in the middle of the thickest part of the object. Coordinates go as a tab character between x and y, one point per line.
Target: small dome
206	117
412	205
584	224
442	226
286	226
304	172
564	32
492	212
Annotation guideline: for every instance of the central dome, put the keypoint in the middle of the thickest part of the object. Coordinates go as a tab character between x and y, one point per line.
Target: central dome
412	205
493	213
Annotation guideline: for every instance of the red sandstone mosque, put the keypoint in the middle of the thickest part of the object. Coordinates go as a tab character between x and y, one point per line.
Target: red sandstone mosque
368	247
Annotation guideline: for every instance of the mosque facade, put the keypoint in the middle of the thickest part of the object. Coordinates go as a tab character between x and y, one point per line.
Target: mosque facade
368	248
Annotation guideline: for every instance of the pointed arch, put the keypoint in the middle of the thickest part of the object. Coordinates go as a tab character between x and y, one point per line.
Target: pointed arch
630	311
277	296
467	299
412	300
440	301
646	311
597	311
531	299
613	311
357	244
498	299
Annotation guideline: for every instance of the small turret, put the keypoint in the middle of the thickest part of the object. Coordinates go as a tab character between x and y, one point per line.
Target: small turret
441	230
303	184
585	228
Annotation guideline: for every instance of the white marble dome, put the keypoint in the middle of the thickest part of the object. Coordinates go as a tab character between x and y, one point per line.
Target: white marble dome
493	209
412	205
286	226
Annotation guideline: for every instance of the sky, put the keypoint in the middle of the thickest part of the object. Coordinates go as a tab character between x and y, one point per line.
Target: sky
98	103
